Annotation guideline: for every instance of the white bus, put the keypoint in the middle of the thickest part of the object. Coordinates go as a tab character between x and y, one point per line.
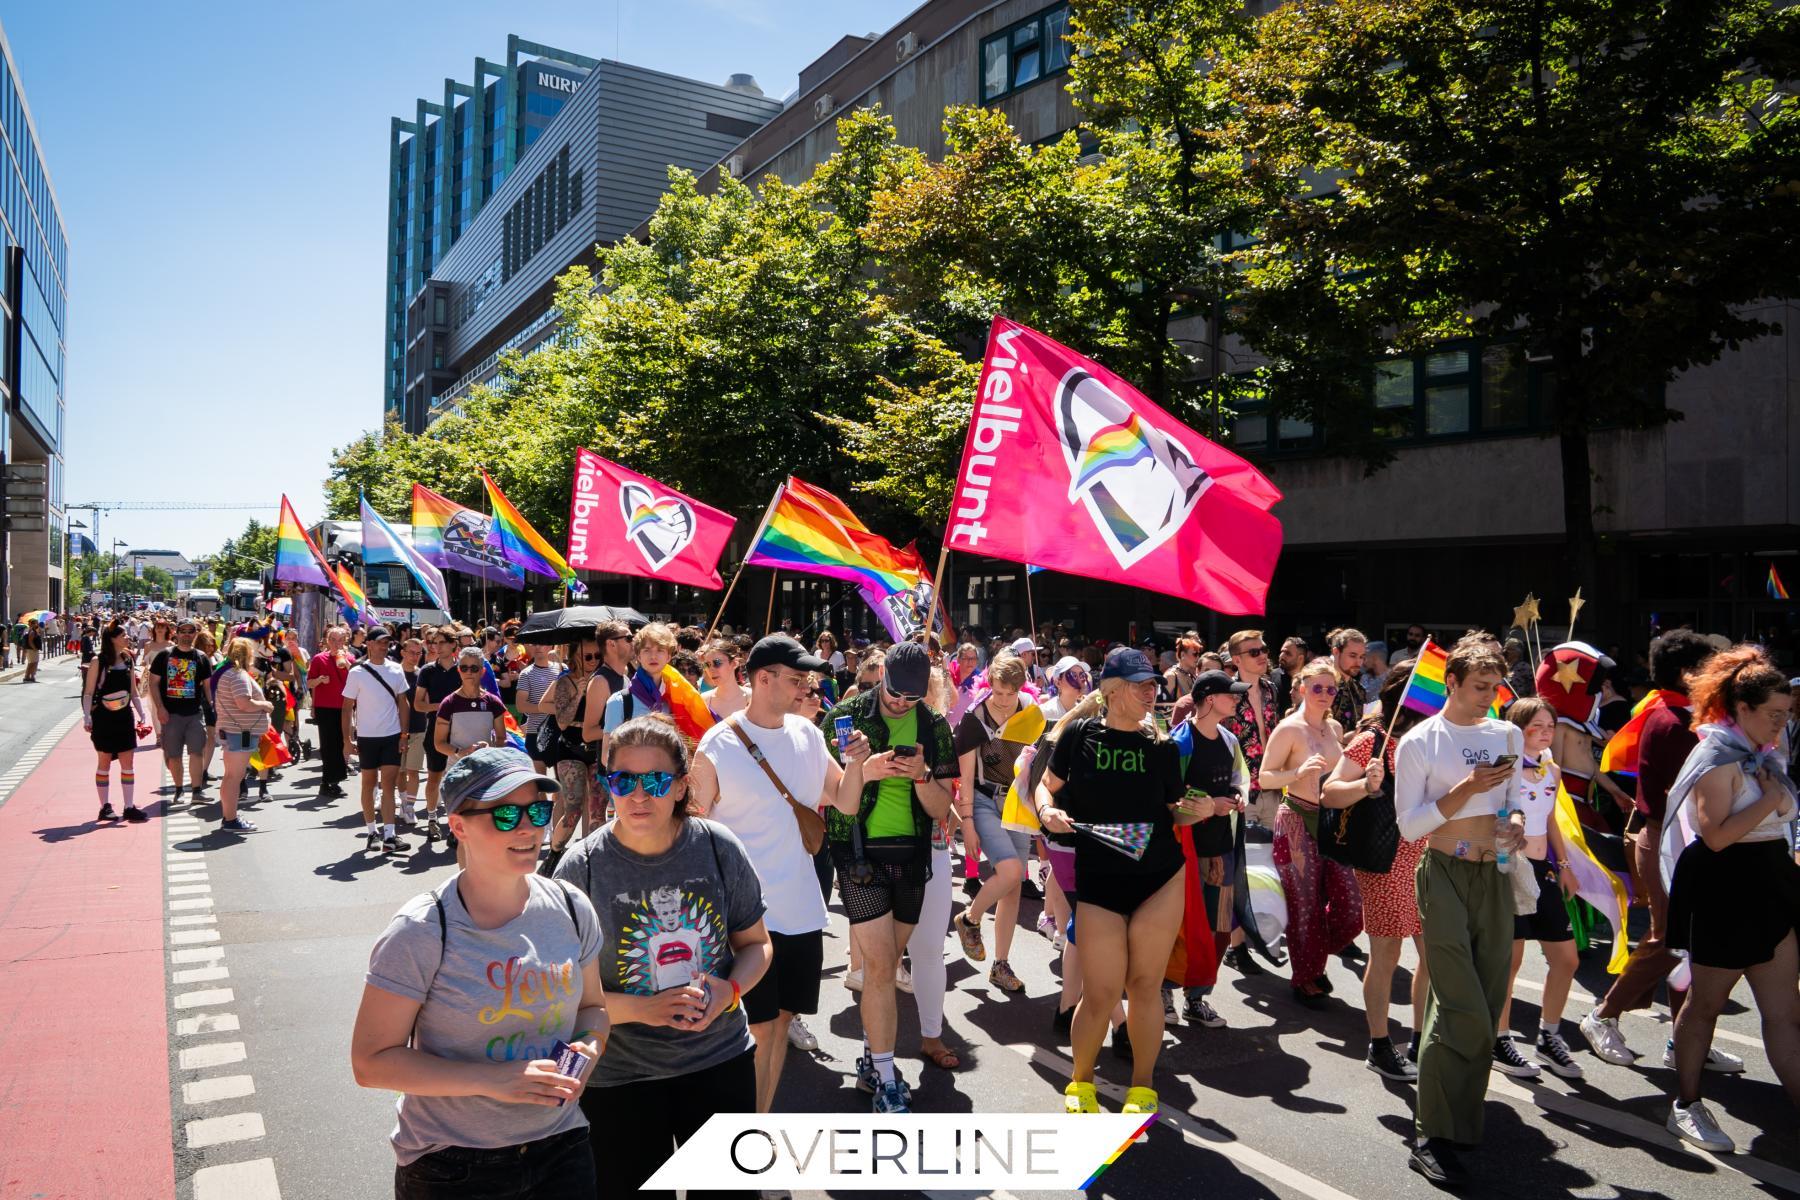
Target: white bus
199	602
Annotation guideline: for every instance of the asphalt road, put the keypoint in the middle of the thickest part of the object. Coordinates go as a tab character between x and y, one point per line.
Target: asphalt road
1277	1104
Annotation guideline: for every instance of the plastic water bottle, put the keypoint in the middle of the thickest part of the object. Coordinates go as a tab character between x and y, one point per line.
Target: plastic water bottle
1502	858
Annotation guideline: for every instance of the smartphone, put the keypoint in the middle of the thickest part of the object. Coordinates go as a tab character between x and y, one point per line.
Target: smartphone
906	751
1505	760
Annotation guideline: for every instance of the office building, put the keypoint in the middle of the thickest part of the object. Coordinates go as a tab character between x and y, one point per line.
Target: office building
1691	515
34	313
446	163
594	173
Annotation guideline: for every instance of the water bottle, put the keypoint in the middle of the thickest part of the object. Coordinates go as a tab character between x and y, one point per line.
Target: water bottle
1502	858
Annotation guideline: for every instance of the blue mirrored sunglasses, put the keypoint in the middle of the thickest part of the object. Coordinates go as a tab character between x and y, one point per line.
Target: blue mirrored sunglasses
655	783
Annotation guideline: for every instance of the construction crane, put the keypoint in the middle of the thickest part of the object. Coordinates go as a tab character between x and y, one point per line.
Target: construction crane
158	505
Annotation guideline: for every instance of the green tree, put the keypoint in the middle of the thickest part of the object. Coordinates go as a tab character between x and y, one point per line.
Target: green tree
246	555
1613	184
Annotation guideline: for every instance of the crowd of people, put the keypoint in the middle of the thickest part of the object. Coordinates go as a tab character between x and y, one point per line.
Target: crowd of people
661	900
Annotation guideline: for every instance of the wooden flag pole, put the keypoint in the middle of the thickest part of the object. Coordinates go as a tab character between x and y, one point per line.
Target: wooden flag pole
769	613
1030	606
1394	719
755	538
936	591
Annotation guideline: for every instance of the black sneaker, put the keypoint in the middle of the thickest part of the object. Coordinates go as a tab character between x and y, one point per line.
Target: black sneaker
1317	1001
394	845
262	791
1197	1011
1384	1062
374	841
176	798
238	825
1412	1050
1062	1021
1436	1161
1553	1052
1508	1060
431	830
107	813
135	815
1121	1043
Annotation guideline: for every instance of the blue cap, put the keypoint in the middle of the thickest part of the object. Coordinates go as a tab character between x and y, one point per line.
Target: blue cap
490	773
1123	662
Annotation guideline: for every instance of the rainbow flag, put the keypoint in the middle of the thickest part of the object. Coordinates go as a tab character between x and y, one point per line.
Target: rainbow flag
1610	895
1503	696
271	751
1777	591
455	537
1620	757
356	604
646	690
515	737
522	546
297	559
811	531
692	717
381	544
1425	690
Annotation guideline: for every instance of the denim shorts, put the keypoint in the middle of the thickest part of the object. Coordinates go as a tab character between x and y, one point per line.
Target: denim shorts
239	743
997	841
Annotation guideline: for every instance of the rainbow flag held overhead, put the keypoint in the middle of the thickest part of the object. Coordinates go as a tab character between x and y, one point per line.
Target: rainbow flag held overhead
1620	757
383	544
520	544
1777	590
811	531
1609	894
455	537
1425	690
515	737
297	559
356	604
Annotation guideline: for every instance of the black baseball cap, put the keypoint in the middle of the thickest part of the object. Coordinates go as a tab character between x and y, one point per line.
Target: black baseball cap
908	669
779	650
1217	683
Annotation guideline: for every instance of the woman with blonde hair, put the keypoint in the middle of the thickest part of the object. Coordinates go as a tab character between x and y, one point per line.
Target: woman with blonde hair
1323	905
243	719
1109	767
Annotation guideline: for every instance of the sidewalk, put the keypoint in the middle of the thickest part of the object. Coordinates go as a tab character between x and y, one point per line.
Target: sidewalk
84	1040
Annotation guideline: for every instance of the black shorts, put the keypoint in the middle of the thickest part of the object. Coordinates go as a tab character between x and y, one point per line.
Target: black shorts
791	984
373	752
434	762
898	870
1123	893
1550	923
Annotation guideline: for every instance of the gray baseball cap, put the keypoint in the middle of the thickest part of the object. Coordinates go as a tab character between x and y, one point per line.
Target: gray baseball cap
489	774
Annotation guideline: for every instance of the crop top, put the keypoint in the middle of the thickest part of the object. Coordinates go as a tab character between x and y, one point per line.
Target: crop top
1435	756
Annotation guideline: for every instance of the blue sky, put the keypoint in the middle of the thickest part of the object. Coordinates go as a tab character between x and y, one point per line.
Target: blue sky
221	171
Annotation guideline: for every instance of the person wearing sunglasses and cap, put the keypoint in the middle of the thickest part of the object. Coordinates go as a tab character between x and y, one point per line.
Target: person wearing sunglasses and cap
683	942
880	838
1324	905
469	992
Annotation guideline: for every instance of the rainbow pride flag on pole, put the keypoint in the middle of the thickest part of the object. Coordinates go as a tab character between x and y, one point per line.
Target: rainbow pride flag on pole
1425	690
1620	757
356	604
523	546
297	559
1777	590
811	531
382	544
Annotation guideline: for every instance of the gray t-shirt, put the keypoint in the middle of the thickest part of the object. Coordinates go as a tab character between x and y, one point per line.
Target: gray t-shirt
487	995
661	920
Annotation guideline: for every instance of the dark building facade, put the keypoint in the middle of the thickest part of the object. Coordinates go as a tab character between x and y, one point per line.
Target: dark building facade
446	163
33	366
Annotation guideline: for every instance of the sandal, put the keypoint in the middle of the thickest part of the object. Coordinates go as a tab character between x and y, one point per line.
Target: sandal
970	937
943	1058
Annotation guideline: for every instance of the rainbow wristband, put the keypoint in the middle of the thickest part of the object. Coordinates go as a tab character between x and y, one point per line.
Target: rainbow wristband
737	995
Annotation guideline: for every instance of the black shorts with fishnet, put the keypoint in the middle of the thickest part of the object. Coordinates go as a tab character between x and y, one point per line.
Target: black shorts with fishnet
896	871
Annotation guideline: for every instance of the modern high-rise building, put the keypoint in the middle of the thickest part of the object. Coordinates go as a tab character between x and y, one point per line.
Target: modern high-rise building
33	314
448	160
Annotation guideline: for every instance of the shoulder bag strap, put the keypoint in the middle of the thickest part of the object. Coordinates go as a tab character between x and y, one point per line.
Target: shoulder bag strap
385	686
735	723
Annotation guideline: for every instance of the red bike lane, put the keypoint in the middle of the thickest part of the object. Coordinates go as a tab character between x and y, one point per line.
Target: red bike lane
84	1033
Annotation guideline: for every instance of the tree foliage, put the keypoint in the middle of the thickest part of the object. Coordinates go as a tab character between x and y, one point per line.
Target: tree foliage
244	556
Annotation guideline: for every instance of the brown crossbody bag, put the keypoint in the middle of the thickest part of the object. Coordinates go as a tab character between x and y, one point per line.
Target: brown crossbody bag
812	825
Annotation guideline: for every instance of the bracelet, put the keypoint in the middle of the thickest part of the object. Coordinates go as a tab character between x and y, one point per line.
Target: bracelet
737	995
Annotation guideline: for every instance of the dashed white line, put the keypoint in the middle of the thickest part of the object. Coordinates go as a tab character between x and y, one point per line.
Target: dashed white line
197	954
237	1127
188	937
211	1054
207	1023
207	919
253	1180
201	975
191	902
203	998
190	889
219	1087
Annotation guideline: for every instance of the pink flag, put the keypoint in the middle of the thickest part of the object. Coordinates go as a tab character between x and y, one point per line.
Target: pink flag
1069	467
629	523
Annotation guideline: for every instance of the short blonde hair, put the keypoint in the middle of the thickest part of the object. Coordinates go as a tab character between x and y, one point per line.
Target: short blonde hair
1007	670
656	634
240	652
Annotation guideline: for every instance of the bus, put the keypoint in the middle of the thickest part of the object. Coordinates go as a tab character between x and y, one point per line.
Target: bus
199	602
242	598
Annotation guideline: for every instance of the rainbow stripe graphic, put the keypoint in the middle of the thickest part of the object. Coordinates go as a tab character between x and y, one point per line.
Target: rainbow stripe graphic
1503	696
811	531
522	546
1124	1146
1425	691
430	513
1114	446
297	560
648	514
1777	590
515	737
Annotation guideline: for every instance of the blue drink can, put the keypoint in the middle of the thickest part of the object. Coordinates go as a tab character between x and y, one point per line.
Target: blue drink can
842	724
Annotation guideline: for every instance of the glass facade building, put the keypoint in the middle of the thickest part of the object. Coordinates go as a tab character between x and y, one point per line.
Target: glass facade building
447	161
33	369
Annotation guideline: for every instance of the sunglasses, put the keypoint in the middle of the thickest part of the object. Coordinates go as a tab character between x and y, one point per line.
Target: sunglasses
1323	689
813	691
1255	651
590	658
623	637
506	816
718	664
468	670
655	783
901	697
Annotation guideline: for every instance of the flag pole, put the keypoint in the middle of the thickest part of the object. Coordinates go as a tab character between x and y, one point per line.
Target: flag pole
1030	607
1394	718
769	613
937	593
754	538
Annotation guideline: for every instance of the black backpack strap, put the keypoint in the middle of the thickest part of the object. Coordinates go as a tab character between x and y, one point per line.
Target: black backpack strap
437	902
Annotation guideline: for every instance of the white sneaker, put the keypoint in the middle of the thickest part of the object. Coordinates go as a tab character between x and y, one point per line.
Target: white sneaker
1604	1038
853	980
903	979
1716	1060
1695	1124
800	1037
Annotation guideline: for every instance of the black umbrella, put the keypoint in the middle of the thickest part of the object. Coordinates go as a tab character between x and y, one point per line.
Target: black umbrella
553	626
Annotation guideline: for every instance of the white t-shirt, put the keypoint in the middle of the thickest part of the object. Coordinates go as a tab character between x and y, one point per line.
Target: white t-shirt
1435	756
750	807
376	713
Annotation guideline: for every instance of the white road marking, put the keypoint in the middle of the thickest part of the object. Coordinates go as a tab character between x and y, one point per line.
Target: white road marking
190	889
207	1023
201	999
220	1087
201	975
212	1054
253	1180
192	902
197	954
238	1127
207	919
188	937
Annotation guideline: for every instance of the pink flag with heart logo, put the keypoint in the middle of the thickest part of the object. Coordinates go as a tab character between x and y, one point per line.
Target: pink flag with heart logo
1069	467
629	523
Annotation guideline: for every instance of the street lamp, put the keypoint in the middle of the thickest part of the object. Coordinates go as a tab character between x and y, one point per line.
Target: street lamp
112	582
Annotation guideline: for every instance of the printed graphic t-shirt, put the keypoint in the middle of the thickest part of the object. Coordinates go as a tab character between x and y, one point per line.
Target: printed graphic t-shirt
487	995
1118	776
184	673
661	920
471	718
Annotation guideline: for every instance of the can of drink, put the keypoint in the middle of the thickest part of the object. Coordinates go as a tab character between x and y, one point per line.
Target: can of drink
842	724
569	1061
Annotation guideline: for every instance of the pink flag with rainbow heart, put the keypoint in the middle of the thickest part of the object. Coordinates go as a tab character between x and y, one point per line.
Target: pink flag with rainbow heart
629	523
1069	467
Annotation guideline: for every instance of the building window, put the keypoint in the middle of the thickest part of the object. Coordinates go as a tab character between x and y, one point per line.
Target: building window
1022	54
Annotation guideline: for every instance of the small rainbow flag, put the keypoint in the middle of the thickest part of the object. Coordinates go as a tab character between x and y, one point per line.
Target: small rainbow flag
297	559
271	751
1777	591
1622	749
1503	696
692	717
1425	690
515	737
523	546
811	531
1114	446
356	603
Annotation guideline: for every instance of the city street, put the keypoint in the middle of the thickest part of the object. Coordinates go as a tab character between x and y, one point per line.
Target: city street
234	1047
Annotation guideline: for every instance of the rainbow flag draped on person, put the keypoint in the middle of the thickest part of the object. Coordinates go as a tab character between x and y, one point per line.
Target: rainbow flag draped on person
522	546
1609	894
1425	690
1620	757
297	559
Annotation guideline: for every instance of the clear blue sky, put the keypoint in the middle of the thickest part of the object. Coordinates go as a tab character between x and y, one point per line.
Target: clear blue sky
221	170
